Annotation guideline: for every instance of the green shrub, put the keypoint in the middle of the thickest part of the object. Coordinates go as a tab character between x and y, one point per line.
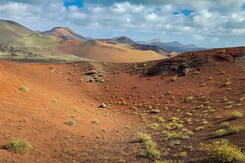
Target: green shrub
24	89
223	151
175	119
189	99
174	143
18	145
173	126
151	149
225	125
199	128
144	137
183	154
230	130
160	119
187	132
237	128
153	126
221	132
70	122
235	115
155	111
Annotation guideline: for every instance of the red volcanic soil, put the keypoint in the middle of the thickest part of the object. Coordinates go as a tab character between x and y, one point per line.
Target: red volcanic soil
101	51
60	92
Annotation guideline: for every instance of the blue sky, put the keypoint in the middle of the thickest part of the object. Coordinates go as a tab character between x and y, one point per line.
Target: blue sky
206	23
78	3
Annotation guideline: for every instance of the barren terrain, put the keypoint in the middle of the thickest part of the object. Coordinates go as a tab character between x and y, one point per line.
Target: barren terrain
198	91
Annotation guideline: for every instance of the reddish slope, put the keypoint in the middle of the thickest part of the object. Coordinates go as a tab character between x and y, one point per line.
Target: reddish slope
57	93
108	53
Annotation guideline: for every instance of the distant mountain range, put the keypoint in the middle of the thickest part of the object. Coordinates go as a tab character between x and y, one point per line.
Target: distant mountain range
174	46
64	41
125	41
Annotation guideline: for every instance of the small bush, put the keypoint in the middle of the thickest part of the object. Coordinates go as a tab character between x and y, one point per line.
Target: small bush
160	119
230	130
173	79
96	122
151	149
225	125
189	99
24	89
153	126
70	122
155	111
183	154
174	143
237	128
199	128
173	126
18	145
175	119
144	137
221	132
223	151
235	115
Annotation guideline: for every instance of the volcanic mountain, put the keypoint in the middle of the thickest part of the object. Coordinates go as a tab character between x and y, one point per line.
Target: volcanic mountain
10	31
63	33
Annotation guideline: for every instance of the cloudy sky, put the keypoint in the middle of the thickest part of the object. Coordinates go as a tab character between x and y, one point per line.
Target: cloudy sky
206	23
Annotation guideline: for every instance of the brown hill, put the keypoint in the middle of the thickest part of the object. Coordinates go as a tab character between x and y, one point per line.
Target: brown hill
106	52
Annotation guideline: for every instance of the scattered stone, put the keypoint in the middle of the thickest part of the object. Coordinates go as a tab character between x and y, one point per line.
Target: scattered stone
103	105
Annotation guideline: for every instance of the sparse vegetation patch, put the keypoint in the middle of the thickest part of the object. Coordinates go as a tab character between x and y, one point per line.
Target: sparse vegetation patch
223	151
18	145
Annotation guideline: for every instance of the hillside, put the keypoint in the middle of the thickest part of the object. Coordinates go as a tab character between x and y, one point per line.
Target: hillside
62	42
10	31
105	52
95	112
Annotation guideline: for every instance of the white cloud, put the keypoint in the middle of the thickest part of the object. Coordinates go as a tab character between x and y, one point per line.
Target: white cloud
151	17
216	18
238	31
215	39
199	37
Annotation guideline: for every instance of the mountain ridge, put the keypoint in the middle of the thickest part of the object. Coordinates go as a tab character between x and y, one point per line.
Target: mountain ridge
63	33
10	30
173	46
